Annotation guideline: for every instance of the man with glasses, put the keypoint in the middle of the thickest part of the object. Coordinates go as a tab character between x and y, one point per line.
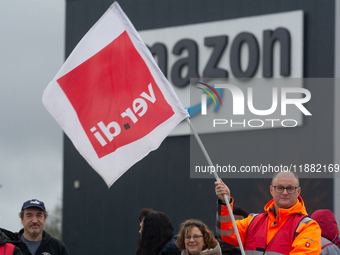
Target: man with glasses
284	228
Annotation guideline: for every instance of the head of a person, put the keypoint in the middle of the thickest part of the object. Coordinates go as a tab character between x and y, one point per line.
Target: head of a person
142	214
156	230
328	225
285	189
194	236
33	218
239	213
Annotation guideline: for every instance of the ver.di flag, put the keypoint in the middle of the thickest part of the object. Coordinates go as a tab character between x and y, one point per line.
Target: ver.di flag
111	99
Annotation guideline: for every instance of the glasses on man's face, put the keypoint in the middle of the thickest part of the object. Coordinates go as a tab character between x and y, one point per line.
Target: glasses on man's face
280	189
196	237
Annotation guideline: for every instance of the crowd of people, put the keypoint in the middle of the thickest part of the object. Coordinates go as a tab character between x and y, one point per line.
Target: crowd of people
284	228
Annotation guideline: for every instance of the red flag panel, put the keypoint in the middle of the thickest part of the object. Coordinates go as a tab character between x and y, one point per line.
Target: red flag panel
115	96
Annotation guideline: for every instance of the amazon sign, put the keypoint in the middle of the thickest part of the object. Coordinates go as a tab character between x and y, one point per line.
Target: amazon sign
258	52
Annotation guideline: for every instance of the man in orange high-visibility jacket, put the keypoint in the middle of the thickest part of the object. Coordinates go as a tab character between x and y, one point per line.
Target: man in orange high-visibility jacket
284	228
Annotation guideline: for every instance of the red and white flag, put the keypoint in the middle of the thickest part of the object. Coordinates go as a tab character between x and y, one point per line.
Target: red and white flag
111	99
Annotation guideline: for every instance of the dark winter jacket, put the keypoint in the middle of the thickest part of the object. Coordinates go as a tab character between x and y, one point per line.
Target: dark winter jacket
228	249
6	248
48	246
170	248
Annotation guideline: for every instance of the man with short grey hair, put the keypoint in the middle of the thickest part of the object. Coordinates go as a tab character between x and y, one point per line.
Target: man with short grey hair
32	239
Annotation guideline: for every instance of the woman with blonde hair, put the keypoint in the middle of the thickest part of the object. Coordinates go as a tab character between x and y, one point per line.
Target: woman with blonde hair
195	238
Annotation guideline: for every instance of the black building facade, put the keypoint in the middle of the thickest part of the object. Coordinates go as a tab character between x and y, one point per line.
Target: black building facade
98	220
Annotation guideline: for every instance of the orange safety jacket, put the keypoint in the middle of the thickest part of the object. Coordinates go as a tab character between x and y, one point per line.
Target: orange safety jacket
306	241
281	243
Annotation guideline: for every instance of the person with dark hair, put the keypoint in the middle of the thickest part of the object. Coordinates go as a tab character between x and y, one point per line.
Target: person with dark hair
156	234
284	228
32	239
227	248
6	248
329	231
195	238
240	213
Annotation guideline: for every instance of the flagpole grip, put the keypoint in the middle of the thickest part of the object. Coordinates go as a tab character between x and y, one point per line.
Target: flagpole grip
218	180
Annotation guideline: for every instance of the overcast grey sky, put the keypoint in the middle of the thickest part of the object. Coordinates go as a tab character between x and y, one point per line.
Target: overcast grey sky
31	53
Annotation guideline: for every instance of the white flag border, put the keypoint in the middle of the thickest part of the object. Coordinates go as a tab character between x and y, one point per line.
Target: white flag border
69	119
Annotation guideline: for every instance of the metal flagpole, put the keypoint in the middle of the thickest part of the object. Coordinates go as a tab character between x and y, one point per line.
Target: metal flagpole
217	179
